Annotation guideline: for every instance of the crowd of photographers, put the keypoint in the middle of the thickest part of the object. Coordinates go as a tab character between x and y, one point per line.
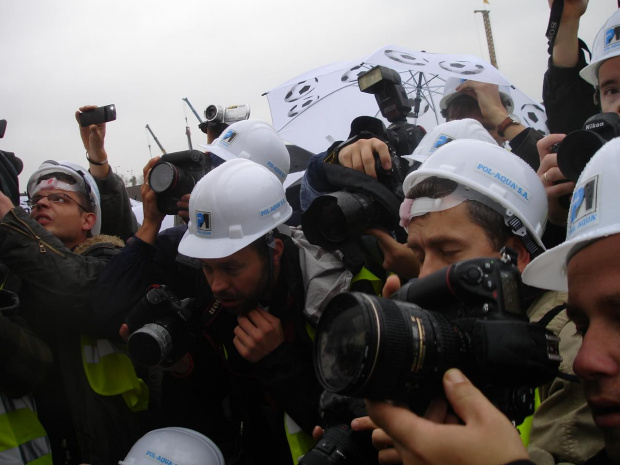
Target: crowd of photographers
440	297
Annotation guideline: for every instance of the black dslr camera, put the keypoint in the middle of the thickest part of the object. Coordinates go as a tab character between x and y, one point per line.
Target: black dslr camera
577	147
175	175
164	327
468	315
336	218
385	84
340	444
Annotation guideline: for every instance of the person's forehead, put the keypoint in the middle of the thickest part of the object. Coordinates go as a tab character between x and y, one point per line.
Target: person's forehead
609	71
53	190
245	256
452	222
594	271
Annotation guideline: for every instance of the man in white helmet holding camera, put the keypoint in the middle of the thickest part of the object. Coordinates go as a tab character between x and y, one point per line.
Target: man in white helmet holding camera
586	265
259	284
467	200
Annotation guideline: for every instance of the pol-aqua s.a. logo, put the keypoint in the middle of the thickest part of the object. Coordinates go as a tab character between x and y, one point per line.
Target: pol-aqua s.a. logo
583	211
442	140
612	37
228	137
203	223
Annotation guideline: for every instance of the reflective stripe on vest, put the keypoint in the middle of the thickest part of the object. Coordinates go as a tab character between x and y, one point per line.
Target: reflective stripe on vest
366	274
22	437
298	441
110	372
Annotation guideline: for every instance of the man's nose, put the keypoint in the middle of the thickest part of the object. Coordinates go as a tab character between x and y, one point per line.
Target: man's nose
594	358
219	282
42	202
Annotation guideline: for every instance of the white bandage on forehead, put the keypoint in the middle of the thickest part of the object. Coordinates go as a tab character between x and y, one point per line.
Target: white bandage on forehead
410	208
53	183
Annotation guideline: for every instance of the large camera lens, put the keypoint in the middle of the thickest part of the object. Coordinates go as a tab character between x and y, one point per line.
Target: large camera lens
341	445
334	219
575	151
165	176
214	113
150	345
372	347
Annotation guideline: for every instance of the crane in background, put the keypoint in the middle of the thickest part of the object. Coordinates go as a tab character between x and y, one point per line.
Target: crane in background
489	34
187	131
163	151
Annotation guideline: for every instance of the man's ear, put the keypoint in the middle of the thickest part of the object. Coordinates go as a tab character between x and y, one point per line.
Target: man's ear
523	256
88	221
278	250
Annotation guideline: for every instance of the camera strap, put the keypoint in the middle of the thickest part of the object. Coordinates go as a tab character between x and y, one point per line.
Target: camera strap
544	322
518	229
554	23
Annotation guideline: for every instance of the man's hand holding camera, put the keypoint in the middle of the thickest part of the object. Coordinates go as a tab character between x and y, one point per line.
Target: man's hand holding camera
93	138
360	156
259	333
439	438
152	216
556	185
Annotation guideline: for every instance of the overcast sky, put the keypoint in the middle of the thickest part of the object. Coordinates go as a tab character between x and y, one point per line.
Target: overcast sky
145	56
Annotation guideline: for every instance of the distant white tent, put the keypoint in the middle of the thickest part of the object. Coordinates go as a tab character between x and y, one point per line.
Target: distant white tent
136	206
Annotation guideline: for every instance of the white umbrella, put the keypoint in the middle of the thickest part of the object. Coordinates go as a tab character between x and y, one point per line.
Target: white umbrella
316	108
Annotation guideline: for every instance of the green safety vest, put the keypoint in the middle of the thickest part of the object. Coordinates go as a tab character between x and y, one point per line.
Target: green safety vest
526	427
23	439
110	372
298	441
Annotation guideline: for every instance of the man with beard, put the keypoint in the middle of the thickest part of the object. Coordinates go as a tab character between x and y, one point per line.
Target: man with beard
259	309
261	288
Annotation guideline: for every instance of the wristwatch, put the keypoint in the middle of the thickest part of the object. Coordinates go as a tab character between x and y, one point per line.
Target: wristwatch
510	120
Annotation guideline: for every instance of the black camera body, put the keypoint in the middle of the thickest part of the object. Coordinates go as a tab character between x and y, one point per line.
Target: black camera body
98	115
579	146
334	219
164	327
385	84
469	316
175	175
340	444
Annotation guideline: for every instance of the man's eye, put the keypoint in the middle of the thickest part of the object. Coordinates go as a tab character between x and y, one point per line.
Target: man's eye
57	198
450	252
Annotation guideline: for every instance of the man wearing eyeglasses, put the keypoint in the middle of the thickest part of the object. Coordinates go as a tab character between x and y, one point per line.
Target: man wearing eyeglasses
55	254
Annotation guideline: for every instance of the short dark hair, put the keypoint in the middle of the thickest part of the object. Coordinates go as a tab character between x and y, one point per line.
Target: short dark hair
484	216
463	106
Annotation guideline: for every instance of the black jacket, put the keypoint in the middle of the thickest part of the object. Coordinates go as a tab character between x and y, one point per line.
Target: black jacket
54	289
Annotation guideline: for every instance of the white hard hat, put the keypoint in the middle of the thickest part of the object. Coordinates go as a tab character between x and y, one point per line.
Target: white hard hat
179	446
506	183
450	93
84	183
231	207
256	141
593	214
606	46
441	134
